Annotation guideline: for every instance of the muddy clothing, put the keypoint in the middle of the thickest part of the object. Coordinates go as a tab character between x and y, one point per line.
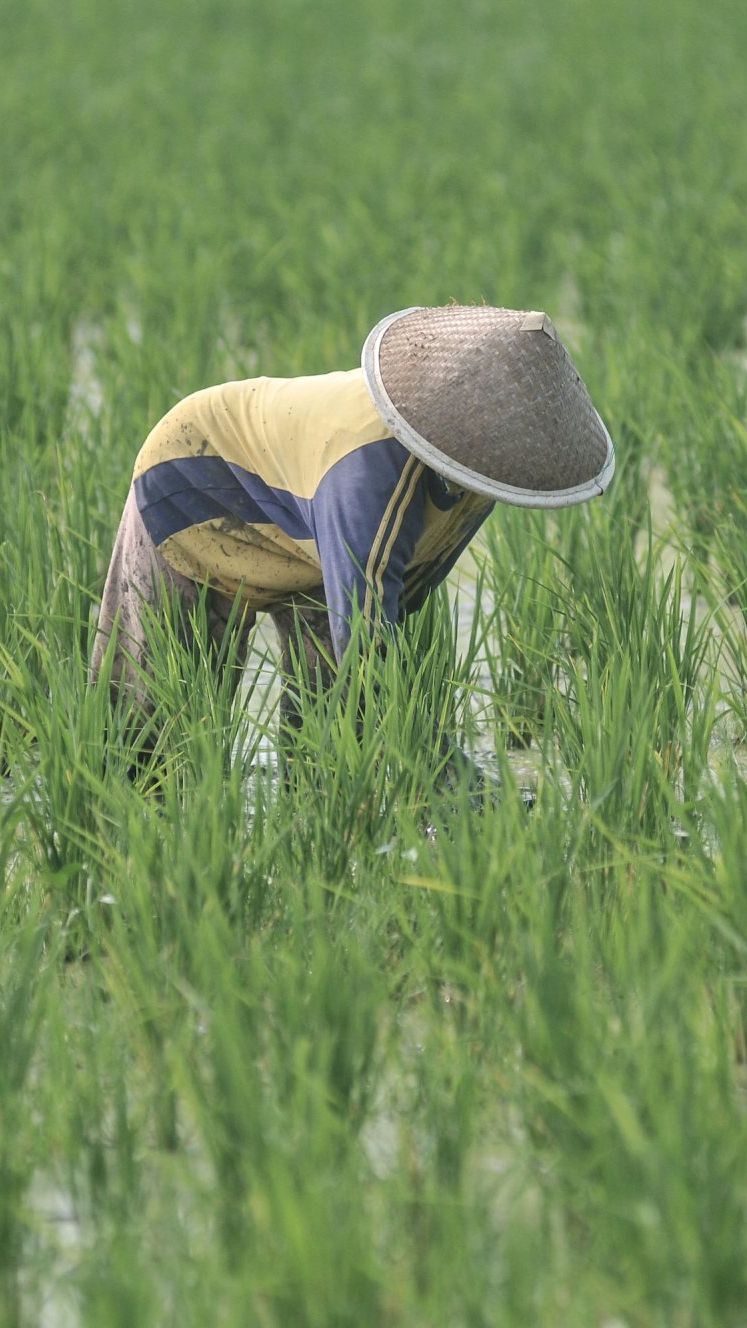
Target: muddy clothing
291	494
138	581
272	487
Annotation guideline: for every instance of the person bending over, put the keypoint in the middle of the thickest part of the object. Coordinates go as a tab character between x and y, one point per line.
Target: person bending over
306	496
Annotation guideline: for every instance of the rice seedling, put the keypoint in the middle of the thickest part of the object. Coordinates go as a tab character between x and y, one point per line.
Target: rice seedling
344	1041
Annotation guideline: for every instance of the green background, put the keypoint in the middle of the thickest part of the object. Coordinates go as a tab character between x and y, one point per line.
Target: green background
283	1059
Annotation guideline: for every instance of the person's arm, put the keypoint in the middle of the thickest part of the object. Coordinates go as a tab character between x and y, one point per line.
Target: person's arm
368	514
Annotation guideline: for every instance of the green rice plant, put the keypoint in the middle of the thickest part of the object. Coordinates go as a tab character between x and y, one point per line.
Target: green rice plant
185	705
523	623
465	891
726	592
706	451
34	351
719	895
359	1047
257	1085
371	748
23	998
47	572
721	899
641	695
619	1119
728	555
70	739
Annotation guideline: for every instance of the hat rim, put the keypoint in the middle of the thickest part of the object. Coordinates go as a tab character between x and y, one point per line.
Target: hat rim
453	470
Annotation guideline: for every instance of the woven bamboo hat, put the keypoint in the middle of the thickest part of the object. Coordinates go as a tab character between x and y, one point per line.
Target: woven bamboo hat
489	399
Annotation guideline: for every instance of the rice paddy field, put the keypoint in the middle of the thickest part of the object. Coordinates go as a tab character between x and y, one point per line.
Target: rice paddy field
358	1048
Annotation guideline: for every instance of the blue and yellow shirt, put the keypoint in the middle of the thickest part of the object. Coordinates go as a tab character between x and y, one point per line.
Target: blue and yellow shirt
275	486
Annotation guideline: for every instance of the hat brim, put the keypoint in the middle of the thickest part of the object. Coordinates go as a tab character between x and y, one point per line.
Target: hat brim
454	470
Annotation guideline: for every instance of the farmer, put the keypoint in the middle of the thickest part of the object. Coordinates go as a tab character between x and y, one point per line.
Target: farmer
305	496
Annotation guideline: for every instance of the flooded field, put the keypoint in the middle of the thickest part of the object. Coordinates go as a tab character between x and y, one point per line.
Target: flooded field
366	1045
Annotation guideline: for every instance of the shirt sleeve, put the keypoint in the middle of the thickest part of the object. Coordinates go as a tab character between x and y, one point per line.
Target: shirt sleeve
368	514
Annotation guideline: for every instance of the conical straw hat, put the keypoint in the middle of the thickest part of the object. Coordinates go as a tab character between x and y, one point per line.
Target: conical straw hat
489	399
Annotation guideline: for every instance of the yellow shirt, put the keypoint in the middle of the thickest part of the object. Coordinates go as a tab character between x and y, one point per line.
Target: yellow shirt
273	486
